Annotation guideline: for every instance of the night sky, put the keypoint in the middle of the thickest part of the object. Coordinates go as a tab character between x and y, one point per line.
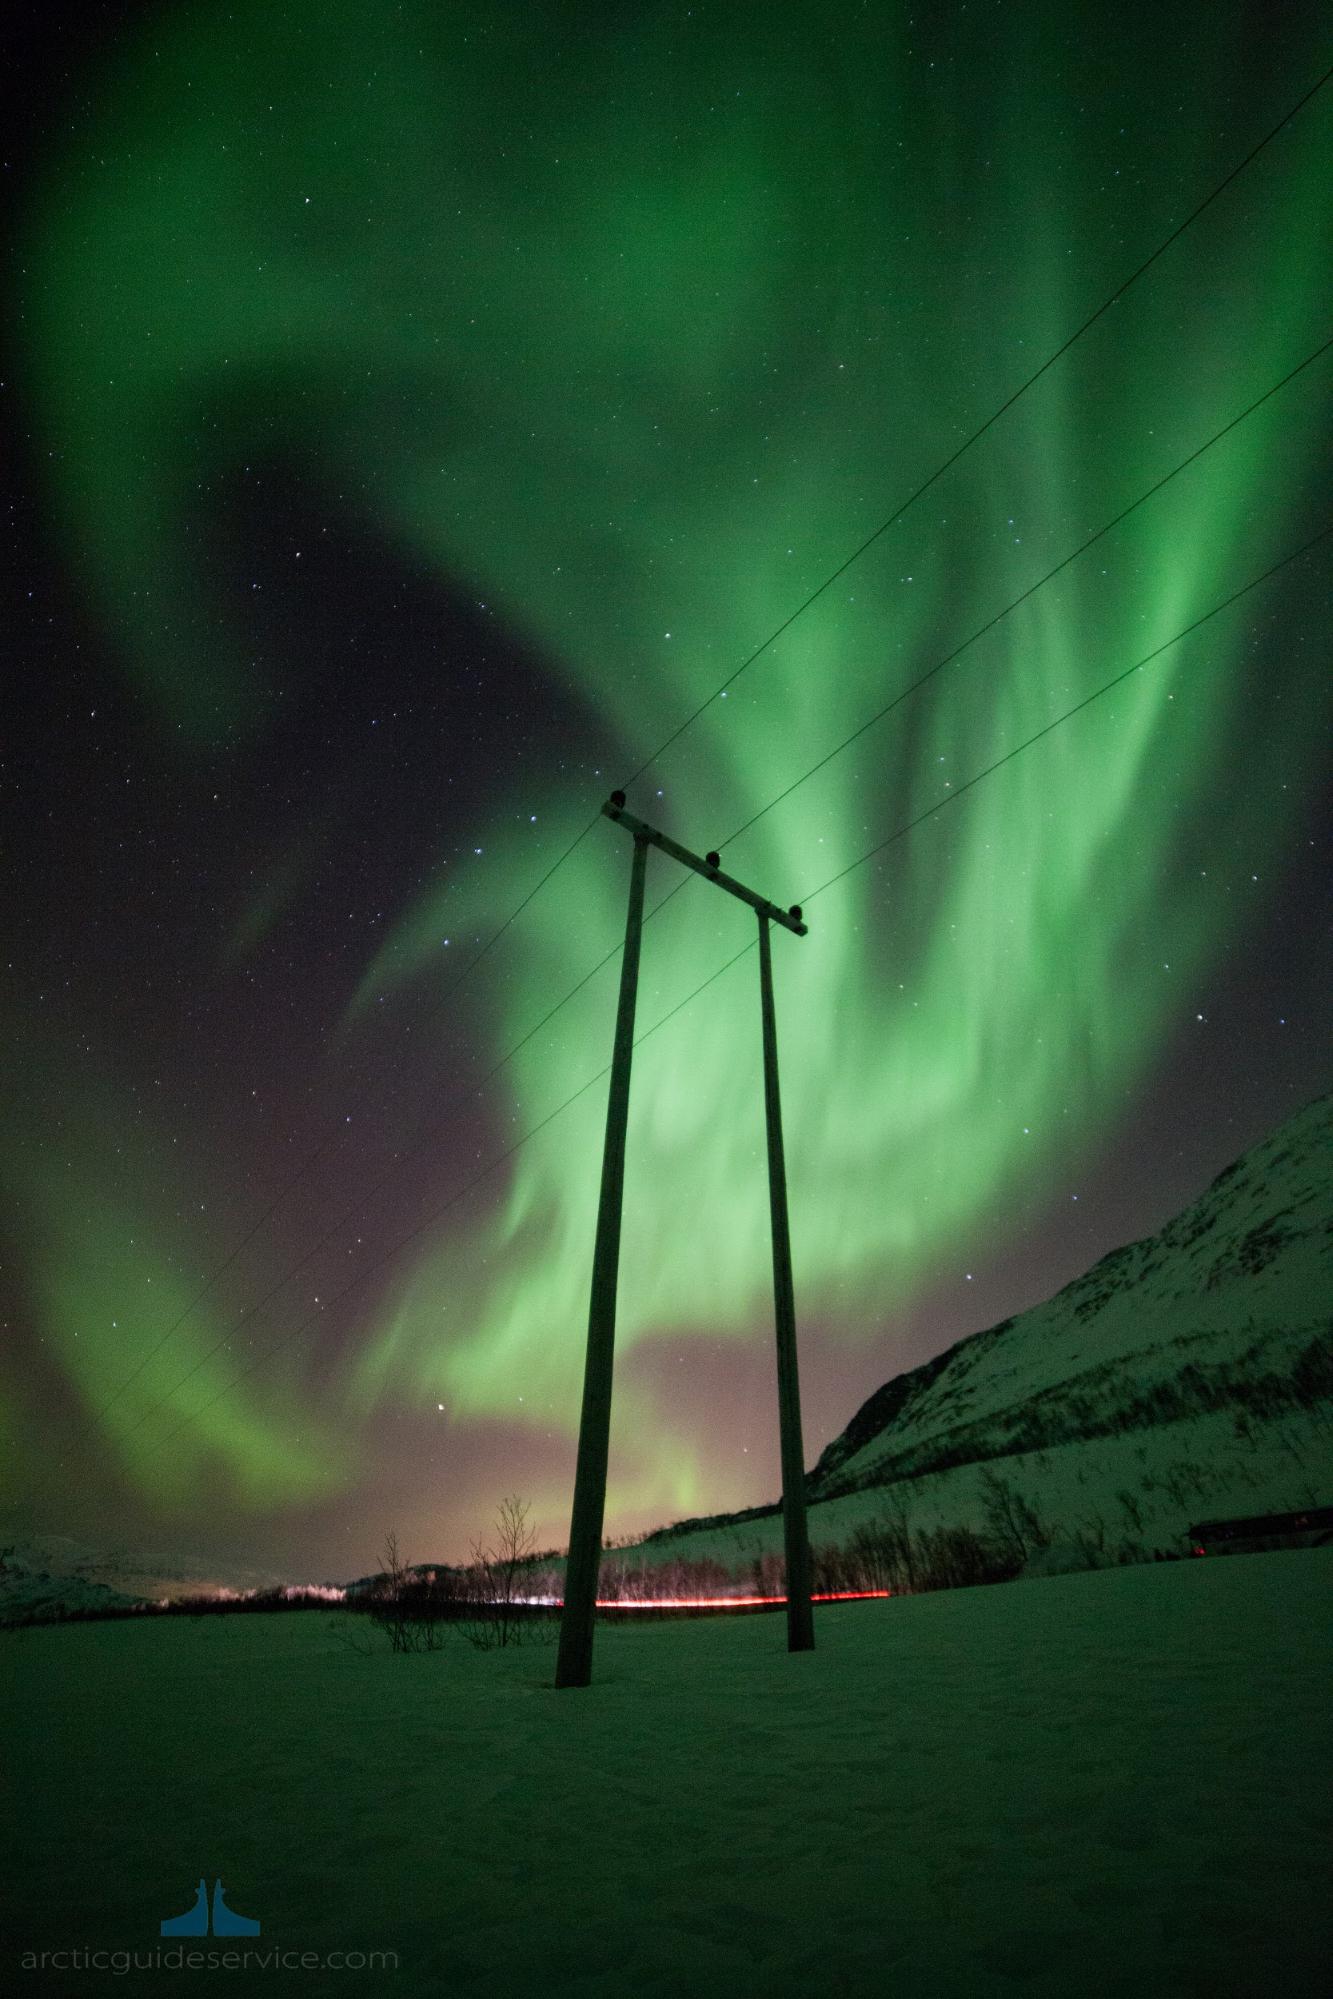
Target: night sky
412	415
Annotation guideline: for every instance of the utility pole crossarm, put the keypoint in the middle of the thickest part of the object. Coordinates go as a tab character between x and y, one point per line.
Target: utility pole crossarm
574	1660
706	865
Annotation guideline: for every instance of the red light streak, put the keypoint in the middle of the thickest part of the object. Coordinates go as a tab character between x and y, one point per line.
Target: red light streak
730	1602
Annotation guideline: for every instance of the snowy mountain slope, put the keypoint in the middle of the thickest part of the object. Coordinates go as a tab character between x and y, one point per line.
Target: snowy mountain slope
28	1592
50	1575
1184	1377
1227	1308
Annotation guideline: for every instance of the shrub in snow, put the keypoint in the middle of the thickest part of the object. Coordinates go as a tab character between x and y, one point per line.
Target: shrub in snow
1012	1523
400	1604
957	1557
498	1583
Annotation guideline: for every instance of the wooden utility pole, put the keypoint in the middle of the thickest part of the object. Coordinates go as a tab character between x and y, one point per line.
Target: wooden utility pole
574	1659
573	1667
796	1539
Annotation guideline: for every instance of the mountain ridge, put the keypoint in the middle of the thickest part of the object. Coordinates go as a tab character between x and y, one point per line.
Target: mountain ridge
1221	1305
1208	1339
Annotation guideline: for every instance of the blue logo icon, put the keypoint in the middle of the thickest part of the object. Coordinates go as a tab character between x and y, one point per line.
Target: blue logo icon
194	1923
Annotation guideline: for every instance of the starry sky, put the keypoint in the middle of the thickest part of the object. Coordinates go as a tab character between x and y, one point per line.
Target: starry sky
413	416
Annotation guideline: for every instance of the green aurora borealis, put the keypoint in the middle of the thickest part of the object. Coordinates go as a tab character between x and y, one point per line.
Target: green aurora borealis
628	325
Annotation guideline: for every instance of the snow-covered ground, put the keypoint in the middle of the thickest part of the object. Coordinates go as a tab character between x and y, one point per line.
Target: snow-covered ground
1141	1489
1114	1783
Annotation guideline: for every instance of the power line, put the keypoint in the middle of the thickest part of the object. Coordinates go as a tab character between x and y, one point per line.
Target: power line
900	833
326	1144
1077	709
990	624
473	1088
989	424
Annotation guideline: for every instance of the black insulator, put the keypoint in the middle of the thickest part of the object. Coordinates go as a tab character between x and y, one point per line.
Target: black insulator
618	800
795	912
714	860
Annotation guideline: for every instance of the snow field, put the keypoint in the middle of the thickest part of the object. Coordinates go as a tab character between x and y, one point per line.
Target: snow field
1174	1473
1114	1783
